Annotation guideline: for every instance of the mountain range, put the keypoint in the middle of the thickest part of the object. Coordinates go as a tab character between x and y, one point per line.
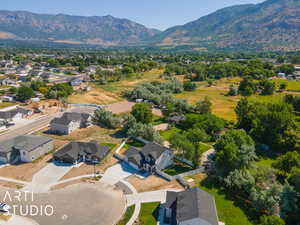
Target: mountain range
271	25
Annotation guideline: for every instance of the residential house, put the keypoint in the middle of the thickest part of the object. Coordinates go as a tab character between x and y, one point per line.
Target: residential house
75	82
177	119
69	122
150	158
190	207
7	82
15	114
7	98
281	75
25	148
76	152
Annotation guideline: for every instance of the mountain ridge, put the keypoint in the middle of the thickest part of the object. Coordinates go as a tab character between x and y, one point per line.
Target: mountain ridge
98	30
270	25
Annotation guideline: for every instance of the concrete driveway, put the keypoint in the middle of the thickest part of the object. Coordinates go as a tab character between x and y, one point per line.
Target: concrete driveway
119	172
47	177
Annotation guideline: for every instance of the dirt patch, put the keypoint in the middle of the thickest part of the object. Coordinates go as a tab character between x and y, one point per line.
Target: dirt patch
11	185
152	183
86	134
25	171
78	181
194	180
126	106
95	96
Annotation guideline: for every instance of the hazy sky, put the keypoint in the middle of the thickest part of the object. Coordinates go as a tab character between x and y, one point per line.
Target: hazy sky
159	14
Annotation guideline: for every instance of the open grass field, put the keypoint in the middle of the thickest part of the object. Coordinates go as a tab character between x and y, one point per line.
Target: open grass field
149	213
112	91
291	85
222	105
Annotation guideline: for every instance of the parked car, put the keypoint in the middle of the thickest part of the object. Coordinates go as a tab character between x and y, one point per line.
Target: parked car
4	207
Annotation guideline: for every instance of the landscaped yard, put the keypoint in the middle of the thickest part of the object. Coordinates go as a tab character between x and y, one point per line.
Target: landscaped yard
166	134
127	215
230	210
149	213
177	168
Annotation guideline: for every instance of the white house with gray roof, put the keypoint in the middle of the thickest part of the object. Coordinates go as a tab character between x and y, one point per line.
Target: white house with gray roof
190	207
69	122
150	158
25	148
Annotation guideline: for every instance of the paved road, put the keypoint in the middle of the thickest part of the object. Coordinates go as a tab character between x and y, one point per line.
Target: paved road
38	124
26	129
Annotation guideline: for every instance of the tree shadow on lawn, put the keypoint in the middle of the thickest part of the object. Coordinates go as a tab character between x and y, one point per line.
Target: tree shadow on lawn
237	199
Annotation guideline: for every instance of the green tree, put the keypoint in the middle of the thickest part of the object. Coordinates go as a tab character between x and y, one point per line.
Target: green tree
142	112
285	163
204	106
24	93
294	178
235	150
271	220
106	119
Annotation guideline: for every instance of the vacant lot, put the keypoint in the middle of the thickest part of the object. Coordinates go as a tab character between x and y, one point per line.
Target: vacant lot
86	134
95	96
152	183
112	91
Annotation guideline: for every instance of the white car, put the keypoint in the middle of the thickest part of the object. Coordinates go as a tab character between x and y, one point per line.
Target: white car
4	207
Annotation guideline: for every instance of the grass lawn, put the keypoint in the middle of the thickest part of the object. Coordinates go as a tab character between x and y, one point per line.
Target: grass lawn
6	104
230	211
204	148
128	214
177	168
110	145
291	85
149	213
166	134
119	86
265	161
156	120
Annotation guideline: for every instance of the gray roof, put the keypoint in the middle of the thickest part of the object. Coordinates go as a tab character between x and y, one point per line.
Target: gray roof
150	150
155	150
11	113
24	142
134	155
68	117
74	149
193	203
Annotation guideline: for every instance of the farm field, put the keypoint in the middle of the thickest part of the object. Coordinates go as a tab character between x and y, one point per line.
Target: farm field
222	105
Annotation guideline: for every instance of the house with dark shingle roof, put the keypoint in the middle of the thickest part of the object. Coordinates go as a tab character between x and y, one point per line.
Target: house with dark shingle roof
69	122
25	148
76	152
150	158
15	114
190	207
